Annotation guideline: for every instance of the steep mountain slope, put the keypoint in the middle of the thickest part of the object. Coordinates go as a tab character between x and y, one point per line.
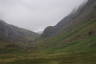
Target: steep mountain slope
77	26
14	34
83	14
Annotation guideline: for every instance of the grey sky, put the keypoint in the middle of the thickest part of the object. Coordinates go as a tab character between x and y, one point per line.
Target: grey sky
36	14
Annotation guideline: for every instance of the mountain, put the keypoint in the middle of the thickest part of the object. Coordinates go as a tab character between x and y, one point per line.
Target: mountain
77	26
85	13
72	40
15	34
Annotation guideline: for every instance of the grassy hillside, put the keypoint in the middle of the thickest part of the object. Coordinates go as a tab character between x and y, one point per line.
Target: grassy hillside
80	50
81	32
74	47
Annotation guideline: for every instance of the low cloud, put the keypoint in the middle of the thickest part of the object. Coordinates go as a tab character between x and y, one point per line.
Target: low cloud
36	14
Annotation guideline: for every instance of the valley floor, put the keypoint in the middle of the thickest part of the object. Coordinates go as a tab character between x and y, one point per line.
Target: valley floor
48	58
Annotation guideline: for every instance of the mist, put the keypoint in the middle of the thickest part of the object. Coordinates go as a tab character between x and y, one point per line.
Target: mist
36	15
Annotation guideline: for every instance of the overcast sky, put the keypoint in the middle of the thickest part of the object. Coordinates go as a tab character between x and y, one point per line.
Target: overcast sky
36	14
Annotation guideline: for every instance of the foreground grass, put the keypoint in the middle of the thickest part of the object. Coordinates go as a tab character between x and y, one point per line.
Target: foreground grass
78	52
49	58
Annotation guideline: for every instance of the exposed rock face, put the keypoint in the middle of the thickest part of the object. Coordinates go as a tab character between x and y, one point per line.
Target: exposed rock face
83	14
15	34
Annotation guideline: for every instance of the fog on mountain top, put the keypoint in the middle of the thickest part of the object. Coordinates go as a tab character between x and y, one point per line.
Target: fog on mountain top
36	15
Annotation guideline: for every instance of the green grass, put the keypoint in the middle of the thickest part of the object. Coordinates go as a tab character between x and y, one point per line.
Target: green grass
57	58
78	52
78	32
74	47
